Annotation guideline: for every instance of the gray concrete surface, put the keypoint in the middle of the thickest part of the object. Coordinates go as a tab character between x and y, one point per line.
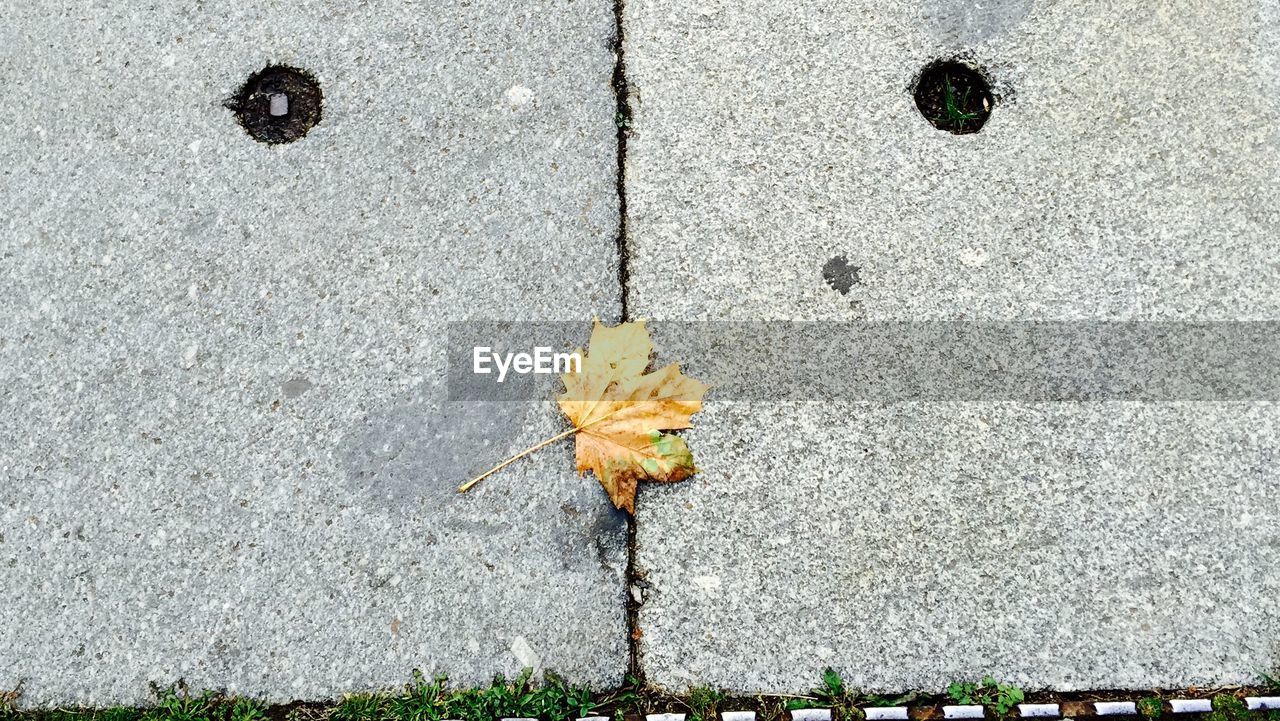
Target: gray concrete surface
1129	171
224	455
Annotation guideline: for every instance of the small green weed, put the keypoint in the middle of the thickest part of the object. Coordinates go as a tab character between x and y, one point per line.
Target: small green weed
1001	697
177	703
906	699
832	688
704	703
359	707
1150	707
1227	708
1230	708
560	700
624	700
833	694
245	709
501	699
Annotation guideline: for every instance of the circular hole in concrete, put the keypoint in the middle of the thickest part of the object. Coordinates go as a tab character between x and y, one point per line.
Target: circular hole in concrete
954	97
278	104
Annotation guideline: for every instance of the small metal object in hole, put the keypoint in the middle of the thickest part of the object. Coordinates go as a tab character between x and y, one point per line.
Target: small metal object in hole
278	104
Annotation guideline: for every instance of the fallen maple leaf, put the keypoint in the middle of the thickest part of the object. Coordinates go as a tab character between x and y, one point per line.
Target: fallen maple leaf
619	413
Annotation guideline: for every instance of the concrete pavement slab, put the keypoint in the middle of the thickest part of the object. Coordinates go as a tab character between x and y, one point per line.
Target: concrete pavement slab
779	169
225	454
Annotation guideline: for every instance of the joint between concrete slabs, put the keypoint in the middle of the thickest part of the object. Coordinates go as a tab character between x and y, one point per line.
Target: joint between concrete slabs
622	118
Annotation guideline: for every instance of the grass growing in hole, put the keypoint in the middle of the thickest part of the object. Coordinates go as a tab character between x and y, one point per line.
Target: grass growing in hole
952	106
953	97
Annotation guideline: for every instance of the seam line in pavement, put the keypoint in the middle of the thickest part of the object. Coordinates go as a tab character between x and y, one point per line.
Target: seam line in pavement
622	119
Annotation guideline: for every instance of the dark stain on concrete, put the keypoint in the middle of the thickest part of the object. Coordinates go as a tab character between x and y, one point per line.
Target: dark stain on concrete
422	451
840	275
295	387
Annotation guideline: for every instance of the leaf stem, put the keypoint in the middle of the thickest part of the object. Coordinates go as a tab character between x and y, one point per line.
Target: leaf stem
469	484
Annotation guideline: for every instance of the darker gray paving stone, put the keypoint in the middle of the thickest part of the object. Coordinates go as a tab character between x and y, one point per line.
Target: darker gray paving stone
225	454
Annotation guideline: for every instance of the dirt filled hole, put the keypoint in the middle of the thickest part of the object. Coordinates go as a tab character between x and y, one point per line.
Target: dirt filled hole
278	104
954	97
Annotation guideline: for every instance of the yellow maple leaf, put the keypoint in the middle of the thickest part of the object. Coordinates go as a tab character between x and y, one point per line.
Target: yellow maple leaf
620	413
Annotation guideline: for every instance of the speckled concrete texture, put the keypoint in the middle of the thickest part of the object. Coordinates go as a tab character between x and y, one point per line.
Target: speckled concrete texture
780	170
225	457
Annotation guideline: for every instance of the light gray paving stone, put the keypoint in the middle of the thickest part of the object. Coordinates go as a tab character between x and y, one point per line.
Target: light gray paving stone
223	450
1129	171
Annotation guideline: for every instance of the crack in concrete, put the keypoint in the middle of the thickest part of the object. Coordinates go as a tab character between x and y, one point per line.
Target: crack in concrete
622	119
